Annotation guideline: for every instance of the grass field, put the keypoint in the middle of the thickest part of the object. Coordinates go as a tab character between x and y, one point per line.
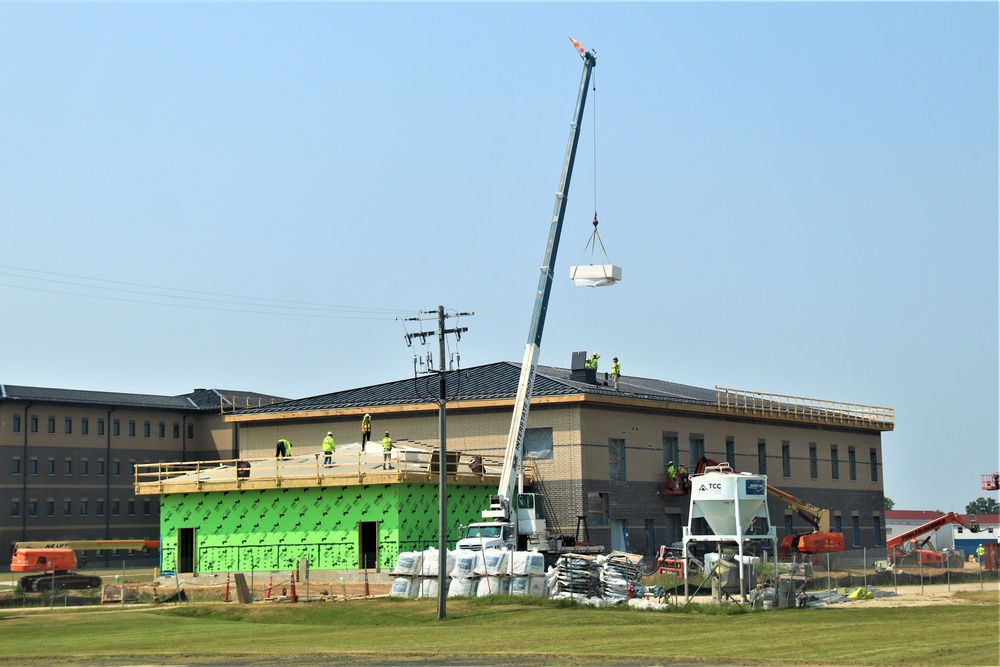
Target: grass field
487	631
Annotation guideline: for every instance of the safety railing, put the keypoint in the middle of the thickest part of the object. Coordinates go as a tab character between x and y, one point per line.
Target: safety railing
312	469
234	403
766	404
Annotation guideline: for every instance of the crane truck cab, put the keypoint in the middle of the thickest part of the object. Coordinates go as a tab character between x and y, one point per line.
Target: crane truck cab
527	530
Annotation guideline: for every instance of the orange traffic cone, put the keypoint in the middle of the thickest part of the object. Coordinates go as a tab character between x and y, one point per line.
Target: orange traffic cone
270	580
227	587
292	597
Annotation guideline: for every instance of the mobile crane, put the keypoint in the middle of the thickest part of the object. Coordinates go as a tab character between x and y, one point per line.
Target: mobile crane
906	550
524	526
54	562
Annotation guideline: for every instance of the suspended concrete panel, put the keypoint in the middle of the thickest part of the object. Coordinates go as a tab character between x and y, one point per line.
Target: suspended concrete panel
595	275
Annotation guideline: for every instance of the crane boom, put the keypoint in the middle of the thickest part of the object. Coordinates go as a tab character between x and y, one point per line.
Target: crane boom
951	517
512	461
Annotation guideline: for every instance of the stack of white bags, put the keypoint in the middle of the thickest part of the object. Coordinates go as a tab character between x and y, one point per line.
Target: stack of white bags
471	573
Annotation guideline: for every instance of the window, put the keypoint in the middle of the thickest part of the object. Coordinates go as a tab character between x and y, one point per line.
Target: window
877	526
852	464
68	425
131	428
838	523
116	507
34	424
671	450
33	466
146	507
68	467
15	507
762	457
116	428
190	431
83	508
856	527
32	508
99	508
789	528
873	462
131	508
52	424
650	538
50	467
50	508
834	463
161	430
83	467
99	468
116	468
597	509
145	429
537	443
813	461
15	467
84	426
100	427
786	459
16	423
67	508
731	451
616	459
696	449
177	430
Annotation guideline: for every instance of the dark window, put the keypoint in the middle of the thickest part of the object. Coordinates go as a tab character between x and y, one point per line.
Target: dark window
15	508
190	431
99	508
696	450
50	508
161	430
68	467
32	508
145	429
813	461
671	449
856	525
116	428
731	451
100	468
131	428
15	467
131	508
838	524
877	526
68	425
17	423
116	468
84	426
83	508
34	424
146	507
52	424
33	466
852	463
786	460
616	459
100	427
873	461
537	443
597	509
761	457
83	467
50	467
115	507
177	430
789	528
67	508
834	462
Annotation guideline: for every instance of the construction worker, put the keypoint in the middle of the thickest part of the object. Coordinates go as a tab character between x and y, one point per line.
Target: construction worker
591	364
616	371
682	476
328	447
366	430
980	552
386	451
283	449
671	471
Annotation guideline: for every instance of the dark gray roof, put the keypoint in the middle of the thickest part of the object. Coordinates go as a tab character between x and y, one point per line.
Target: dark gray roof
490	381
199	399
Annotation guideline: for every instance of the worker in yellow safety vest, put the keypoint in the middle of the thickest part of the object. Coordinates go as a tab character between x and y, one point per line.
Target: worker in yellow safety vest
328	447
386	451
616	371
592	362
366	430
283	449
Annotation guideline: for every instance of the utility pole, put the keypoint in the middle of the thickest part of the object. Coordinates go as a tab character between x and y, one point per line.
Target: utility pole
443	453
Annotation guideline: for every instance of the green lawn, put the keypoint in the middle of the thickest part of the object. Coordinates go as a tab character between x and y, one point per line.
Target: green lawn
487	632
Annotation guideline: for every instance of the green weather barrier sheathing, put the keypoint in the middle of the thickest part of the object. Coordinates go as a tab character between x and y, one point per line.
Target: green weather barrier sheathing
271	529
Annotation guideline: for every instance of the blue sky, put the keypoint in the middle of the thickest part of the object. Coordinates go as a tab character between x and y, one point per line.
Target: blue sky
803	198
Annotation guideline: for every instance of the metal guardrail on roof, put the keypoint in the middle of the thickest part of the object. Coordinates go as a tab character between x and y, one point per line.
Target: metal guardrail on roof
234	403
766	404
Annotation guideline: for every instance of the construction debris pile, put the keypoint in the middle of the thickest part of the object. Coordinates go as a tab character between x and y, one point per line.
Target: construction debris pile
594	579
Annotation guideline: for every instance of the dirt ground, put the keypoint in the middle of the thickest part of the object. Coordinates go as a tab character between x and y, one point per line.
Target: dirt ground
913	596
